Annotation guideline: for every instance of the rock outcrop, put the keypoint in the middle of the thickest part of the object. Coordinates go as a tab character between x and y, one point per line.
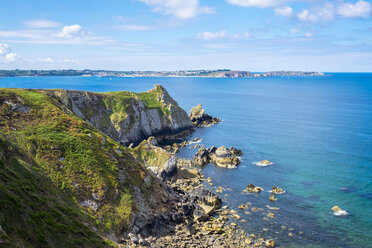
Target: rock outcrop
128	117
200	119
222	157
253	189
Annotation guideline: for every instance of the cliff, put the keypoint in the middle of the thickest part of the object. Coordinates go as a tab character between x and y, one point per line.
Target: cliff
65	183
127	117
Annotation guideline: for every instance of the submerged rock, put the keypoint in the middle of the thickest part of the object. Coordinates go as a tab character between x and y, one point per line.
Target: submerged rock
263	163
199	118
272	198
244	206
253	189
337	211
277	190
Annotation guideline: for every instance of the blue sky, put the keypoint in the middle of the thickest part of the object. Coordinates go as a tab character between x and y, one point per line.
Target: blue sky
255	35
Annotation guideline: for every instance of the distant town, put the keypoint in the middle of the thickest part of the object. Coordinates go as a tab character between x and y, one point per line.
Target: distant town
183	73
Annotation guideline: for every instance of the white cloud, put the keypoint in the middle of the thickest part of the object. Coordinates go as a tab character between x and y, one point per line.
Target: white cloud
182	9
71	61
324	13
7	54
257	3
243	35
284	11
41	24
46	60
72	31
212	36
134	27
359	9
308	35
306	16
294	31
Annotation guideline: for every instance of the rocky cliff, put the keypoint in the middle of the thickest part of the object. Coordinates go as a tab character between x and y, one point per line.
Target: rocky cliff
64	183
127	117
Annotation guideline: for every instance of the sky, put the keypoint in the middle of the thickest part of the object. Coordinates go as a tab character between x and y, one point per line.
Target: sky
254	35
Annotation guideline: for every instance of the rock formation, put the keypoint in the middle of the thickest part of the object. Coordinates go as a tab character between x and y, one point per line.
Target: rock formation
127	117
200	119
253	189
222	157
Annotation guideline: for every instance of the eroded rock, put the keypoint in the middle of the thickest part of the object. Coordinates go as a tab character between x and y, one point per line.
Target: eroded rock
199	118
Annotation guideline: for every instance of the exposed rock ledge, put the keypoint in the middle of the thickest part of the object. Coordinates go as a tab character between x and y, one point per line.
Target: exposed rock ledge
200	119
128	117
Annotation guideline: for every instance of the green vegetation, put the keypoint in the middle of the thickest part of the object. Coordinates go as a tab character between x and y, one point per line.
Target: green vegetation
50	161
151	155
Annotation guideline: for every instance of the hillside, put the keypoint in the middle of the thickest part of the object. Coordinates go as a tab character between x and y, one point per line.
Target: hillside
63	182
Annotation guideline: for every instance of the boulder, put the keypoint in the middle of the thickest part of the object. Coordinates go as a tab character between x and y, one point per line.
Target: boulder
222	157
270	243
272	198
253	189
169	169
277	190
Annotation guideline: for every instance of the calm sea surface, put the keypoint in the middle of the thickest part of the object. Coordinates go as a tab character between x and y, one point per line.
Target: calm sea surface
316	130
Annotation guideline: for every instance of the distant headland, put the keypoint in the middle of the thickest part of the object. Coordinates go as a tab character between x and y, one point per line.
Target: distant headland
224	73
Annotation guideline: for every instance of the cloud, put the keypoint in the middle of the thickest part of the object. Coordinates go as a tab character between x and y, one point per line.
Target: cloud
320	14
182	9
212	36
7	54
284	11
69	35
257	3
294	31
134	27
41	24
72	31
360	9
46	60
71	61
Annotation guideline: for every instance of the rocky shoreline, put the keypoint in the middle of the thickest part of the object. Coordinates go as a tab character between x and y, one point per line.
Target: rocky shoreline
197	218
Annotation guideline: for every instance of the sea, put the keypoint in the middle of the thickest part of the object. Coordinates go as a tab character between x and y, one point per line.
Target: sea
317	132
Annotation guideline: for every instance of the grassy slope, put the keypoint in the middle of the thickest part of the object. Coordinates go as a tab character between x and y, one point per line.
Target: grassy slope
72	161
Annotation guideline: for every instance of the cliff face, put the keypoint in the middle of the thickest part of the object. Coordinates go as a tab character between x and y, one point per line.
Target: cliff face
127	117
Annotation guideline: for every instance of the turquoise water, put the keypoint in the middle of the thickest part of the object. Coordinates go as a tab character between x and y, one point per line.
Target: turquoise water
316	130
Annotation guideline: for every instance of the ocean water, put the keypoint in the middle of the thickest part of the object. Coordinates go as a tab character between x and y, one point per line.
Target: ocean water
316	130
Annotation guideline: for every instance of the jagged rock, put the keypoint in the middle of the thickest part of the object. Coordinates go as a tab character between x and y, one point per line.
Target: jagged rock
200	215
18	106
221	156
169	169
272	198
271	215
90	204
277	190
253	189
270	243
200	119
219	190
244	206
